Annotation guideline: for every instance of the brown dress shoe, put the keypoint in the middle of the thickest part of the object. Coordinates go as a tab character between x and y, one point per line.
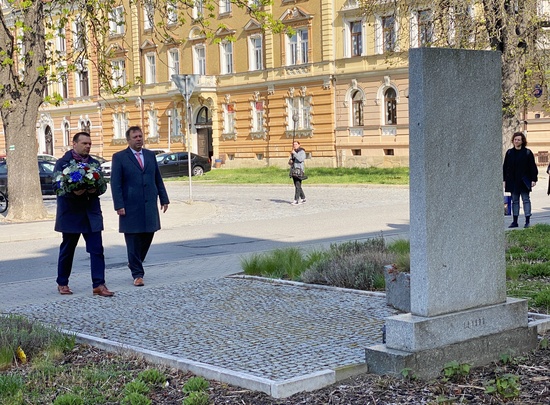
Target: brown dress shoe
64	290
138	282
103	291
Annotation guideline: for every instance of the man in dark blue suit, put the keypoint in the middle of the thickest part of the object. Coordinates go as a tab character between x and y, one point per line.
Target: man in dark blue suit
79	212
137	186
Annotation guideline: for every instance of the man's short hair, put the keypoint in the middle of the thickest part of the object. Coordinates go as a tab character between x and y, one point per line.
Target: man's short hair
133	128
77	136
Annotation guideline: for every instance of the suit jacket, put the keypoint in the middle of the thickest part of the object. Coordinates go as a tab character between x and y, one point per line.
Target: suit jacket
137	191
77	214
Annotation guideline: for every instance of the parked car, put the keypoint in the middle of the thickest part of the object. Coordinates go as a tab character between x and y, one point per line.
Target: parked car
99	159
46	158
46	171
159	151
176	164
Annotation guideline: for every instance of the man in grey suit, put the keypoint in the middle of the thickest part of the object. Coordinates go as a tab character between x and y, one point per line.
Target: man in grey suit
136	185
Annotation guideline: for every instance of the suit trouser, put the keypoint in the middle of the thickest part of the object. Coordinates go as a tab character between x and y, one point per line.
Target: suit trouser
137	246
94	246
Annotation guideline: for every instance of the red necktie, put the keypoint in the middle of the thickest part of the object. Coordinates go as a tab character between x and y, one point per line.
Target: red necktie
138	157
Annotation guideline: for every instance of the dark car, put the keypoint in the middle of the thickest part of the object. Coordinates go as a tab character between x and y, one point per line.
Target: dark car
46	171
176	164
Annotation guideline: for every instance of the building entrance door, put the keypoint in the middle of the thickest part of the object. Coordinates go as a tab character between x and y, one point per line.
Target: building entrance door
203	124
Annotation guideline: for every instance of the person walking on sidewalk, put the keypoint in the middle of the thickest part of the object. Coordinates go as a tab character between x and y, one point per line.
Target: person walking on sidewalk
137	186
79	213
296	161
520	176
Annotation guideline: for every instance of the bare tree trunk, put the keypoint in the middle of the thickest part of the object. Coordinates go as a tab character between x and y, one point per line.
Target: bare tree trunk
20	97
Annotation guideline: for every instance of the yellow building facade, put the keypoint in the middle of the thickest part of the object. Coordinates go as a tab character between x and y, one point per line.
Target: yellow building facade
331	85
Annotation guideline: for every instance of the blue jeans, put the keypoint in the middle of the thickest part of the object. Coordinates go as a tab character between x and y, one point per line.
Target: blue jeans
526	203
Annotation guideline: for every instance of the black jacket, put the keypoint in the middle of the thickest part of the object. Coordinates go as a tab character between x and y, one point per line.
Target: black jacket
519	170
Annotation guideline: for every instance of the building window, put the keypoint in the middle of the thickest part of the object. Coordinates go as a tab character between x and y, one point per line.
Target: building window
225	6
228	118
120	125
298	48
422	28
63	85
258	116
153	123
198	9
300	107
356	152
148	14
150	68
226	57
85	126
66	134
171	12
199	62
357	108
390	103
82	80
173	62
79	34
61	42
356	38
175	123
389	152
116	21
256	53
118	73
386	34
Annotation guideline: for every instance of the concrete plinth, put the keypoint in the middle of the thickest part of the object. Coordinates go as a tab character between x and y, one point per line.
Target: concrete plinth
428	364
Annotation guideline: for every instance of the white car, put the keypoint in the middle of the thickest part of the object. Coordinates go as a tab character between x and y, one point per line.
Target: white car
106	169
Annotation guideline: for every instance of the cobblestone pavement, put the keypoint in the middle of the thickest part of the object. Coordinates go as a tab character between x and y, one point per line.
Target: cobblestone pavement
272	331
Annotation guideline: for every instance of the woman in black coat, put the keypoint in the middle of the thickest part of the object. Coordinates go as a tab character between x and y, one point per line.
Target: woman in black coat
520	176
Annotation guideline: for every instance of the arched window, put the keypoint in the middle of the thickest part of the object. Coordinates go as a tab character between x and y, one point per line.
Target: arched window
203	117
390	103
67	134
357	108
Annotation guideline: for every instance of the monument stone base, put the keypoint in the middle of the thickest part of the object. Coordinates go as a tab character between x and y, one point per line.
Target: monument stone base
477	336
428	364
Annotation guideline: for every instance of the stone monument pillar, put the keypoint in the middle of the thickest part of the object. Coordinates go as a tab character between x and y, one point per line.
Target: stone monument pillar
459	308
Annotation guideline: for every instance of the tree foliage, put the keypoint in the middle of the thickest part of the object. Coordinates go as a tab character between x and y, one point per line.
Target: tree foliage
516	28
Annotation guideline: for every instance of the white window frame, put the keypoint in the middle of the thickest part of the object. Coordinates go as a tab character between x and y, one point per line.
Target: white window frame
255	52
229	118
118	73
225	6
198	9
148	15
120	125
258	116
79	34
150	68
171	12
348	44
297	47
81	68
357	104
303	106
199	61
173	63
415	28
175	122
116	21
152	116
379	42
61	42
226	57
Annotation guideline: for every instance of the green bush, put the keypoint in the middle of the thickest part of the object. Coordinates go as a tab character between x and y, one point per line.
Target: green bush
136	386
287	263
135	398
195	384
10	385
197	398
152	376
68	399
358	265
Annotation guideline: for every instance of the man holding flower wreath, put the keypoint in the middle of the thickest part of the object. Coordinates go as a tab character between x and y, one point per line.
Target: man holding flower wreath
79	183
